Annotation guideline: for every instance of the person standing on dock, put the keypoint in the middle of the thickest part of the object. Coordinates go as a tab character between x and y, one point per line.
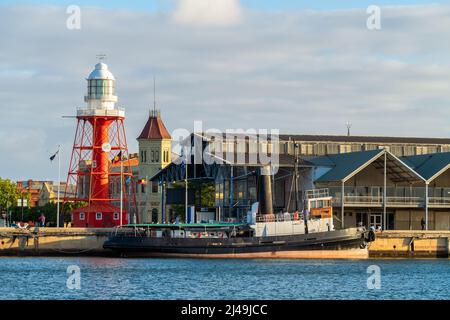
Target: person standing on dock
422	223
42	220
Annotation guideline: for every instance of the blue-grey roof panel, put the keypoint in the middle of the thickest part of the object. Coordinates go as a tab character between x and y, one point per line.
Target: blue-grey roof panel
343	164
428	165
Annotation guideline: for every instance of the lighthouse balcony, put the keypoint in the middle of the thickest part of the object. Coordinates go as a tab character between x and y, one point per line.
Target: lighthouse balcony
86	112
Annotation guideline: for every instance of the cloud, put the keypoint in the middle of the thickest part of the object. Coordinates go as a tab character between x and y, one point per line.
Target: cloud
208	13
301	72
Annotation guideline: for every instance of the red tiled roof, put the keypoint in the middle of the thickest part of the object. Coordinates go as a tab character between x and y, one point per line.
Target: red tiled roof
155	129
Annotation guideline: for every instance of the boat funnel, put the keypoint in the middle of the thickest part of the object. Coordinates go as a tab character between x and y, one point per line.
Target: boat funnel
265	191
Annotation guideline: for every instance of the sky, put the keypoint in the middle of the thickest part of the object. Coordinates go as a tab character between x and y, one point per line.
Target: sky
304	67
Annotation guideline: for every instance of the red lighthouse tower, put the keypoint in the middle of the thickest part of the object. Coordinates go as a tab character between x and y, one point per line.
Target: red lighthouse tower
104	197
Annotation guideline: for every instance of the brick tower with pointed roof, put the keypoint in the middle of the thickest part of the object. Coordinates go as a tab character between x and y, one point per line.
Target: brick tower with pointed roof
155	153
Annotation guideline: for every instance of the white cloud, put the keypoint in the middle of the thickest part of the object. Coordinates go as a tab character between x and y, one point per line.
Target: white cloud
208	12
300	72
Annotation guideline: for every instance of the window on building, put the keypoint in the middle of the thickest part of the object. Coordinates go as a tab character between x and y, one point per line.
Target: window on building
116	216
142	188
241	146
408	151
98	216
156	156
217	146
252	146
82	216
306	149
154	215
332	148
432	149
345	148
320	149
285	147
397	150
263	147
153	156
155	187
368	147
356	147
421	150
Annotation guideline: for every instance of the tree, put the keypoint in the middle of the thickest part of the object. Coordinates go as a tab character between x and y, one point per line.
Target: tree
204	191
68	207
208	194
8	194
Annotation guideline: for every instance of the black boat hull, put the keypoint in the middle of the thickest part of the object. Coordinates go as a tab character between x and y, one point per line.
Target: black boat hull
348	243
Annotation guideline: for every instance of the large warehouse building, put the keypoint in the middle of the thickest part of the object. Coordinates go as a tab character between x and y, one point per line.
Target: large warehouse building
384	182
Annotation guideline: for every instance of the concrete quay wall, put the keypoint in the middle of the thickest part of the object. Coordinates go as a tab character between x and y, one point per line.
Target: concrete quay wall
407	243
53	242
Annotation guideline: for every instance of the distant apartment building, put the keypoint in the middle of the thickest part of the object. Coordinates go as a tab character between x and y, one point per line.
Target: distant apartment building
29	191
40	193
49	193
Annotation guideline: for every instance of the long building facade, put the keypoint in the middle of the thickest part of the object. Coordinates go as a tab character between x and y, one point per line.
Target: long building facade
388	183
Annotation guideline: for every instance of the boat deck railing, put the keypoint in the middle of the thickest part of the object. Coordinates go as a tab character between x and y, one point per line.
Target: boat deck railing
317	193
280	217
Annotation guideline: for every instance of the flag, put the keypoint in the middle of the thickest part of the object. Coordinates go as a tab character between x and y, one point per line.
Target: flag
118	157
183	163
54	156
142	181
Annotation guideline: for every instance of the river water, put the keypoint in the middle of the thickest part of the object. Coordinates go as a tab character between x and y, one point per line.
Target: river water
156	279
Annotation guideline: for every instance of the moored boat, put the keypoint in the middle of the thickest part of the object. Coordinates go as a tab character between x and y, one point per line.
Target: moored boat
310	234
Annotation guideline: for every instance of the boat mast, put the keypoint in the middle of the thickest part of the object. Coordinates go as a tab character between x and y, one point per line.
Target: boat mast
297	207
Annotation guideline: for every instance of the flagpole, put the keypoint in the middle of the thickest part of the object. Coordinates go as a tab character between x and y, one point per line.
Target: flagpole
186	191
59	186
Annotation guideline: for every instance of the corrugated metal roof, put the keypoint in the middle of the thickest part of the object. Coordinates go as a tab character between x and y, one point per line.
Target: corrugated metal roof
346	165
428	165
343	164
